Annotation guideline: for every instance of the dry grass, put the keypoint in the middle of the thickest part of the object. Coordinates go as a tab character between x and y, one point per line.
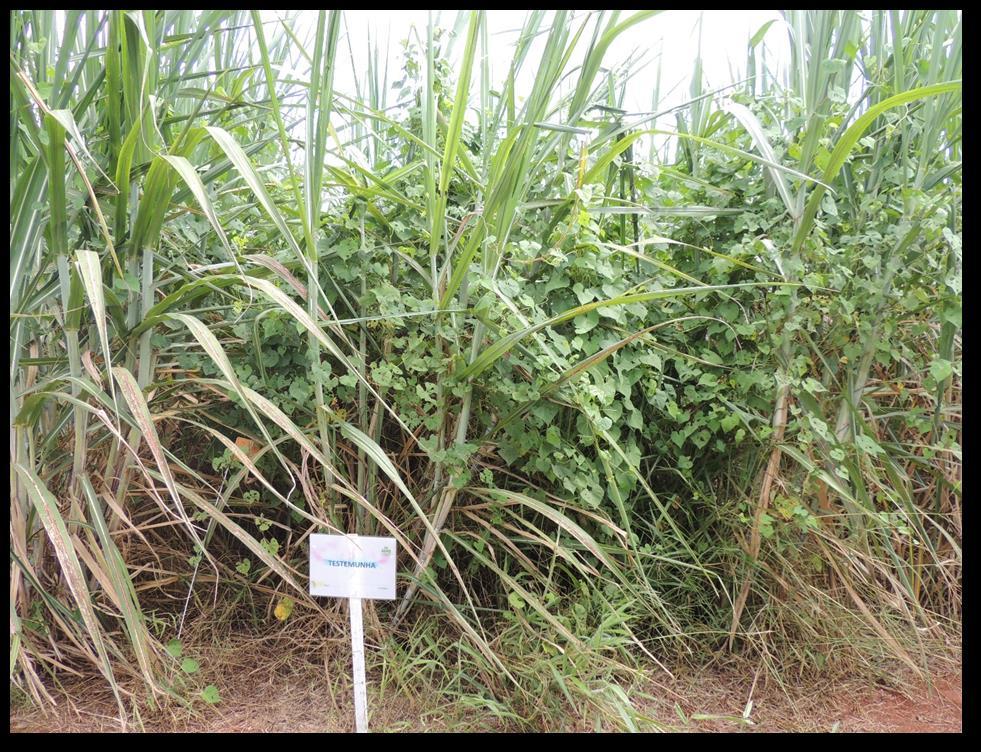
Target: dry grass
269	684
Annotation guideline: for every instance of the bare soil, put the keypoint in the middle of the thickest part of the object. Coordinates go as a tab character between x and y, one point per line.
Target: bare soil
938	709
910	705
278	701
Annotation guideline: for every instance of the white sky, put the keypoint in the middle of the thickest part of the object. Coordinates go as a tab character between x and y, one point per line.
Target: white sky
669	39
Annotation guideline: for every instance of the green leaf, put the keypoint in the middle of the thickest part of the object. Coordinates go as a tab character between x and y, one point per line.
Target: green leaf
210	695
847	142
941	369
766	526
175	648
813	386
755	130
867	445
760	33
493	352
190	666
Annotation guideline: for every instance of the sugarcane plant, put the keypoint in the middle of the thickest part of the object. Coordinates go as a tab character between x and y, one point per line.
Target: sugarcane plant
624	393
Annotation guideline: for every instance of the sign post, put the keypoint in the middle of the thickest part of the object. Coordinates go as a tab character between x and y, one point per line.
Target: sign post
357	659
354	567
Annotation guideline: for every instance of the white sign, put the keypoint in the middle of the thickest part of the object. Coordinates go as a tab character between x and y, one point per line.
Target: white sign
352	566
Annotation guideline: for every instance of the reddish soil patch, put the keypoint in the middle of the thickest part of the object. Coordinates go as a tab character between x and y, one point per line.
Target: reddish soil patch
710	703
911	705
303	685
277	704
936	708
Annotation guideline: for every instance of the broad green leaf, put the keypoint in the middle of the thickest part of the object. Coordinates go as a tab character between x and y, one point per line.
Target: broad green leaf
941	369
190	666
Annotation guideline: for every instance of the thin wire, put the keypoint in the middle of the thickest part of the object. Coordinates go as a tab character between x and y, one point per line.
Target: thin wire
187	600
